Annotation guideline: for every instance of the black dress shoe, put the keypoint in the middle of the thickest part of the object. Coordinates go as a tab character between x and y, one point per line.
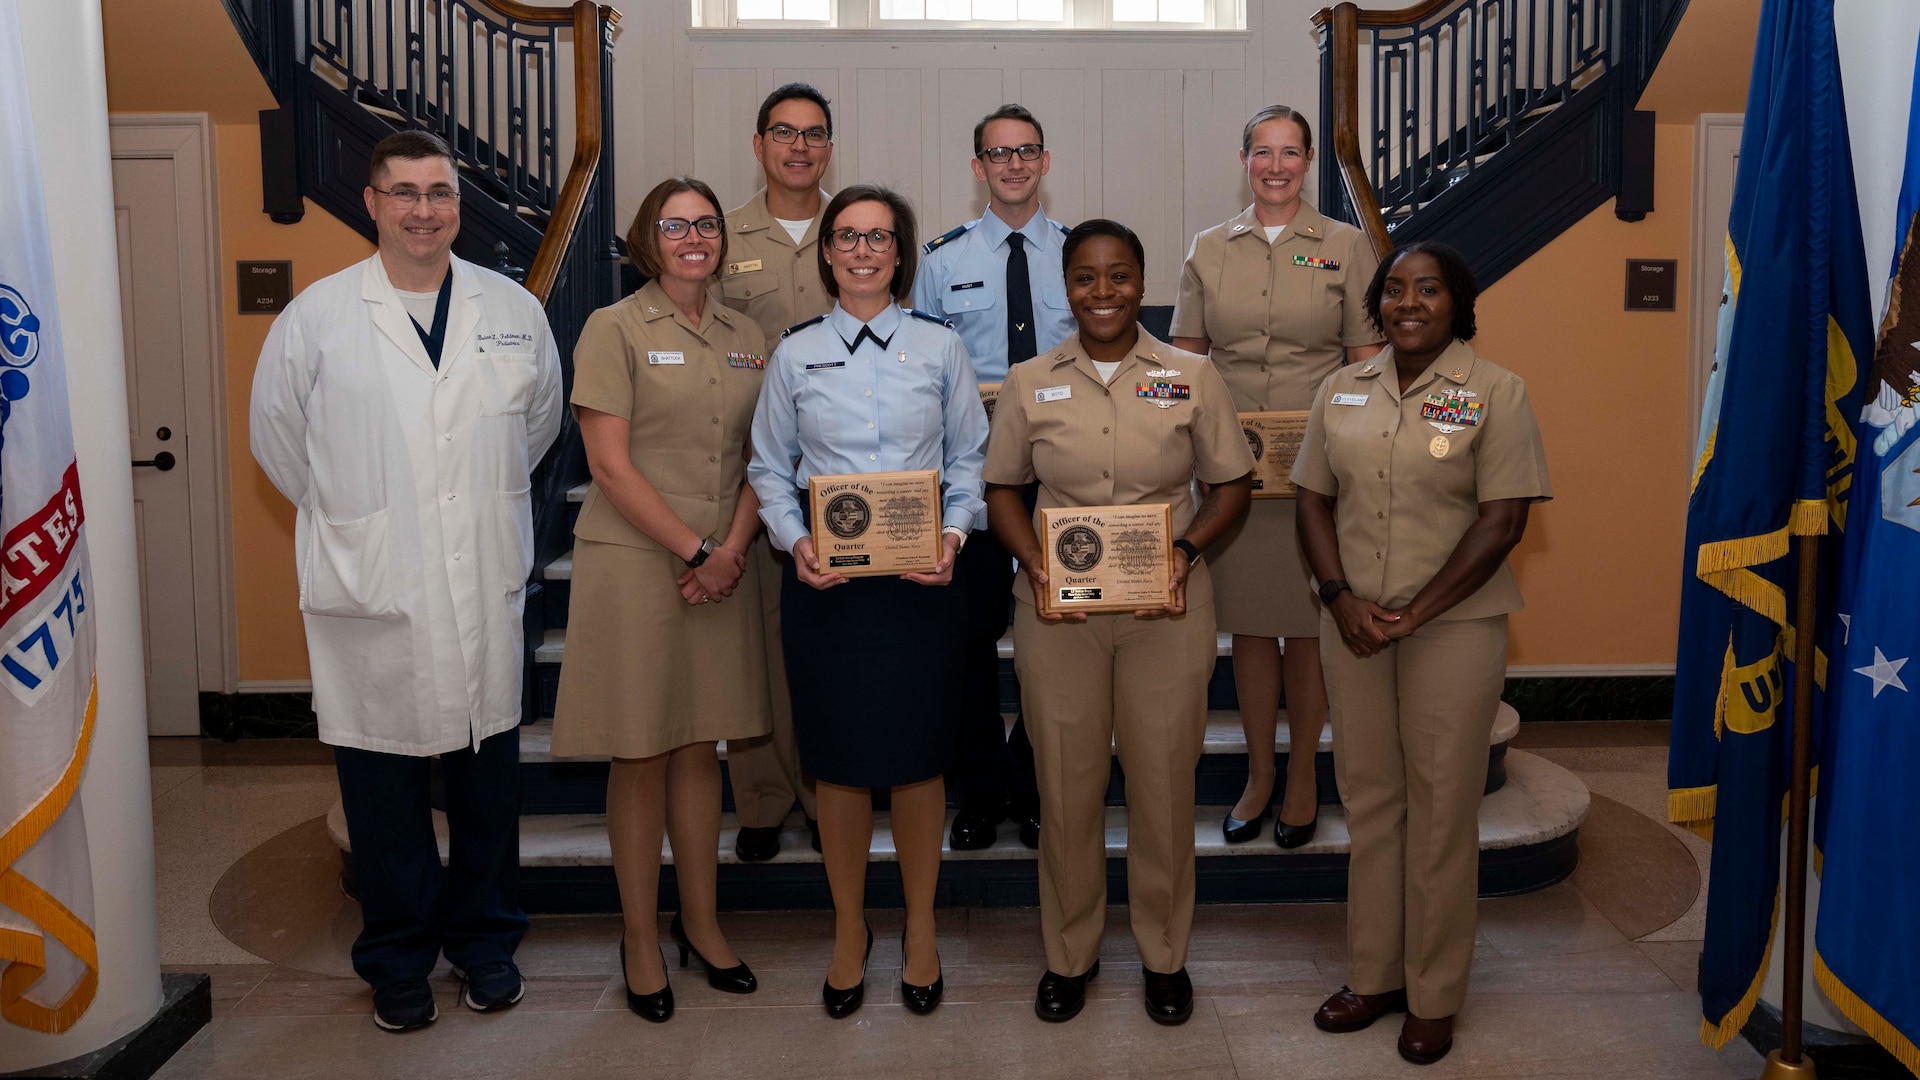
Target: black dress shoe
920	999
657	1006
813	829
973	829
1348	1011
737	979
841	1003
1293	836
1030	831
1169	997
757	844
1061	997
1239	832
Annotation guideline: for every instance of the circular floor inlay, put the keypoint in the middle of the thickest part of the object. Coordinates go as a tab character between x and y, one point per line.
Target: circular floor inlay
1634	869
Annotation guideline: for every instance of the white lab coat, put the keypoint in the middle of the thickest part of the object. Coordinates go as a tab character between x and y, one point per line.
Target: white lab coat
414	536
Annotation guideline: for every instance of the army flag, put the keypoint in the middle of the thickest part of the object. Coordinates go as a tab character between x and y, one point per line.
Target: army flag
49	966
1867	939
1775	460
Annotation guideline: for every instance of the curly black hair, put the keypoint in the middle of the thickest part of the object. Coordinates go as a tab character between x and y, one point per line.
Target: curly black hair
1454	272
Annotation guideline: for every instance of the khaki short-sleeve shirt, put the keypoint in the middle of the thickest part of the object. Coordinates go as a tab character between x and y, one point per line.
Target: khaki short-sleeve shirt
688	394
768	276
1280	317
1410	470
1091	443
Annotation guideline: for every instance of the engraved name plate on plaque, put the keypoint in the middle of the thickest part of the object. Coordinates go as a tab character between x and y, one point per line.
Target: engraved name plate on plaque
869	524
1106	558
1274	438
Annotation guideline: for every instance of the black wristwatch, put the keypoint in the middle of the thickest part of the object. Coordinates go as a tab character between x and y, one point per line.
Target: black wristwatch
1331	589
700	557
1186	545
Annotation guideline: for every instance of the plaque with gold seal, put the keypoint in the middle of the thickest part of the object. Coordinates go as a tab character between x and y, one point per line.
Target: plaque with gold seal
989	393
1106	558
1274	438
872	524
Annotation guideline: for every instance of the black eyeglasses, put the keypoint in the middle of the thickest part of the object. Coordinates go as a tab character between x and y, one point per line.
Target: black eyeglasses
673	228
438	198
1000	155
786	133
848	239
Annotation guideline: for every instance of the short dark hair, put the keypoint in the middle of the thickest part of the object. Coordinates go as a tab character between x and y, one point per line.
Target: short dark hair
1093	227
1277	112
905	239
790	92
1454	271
643	236
1006	112
411	145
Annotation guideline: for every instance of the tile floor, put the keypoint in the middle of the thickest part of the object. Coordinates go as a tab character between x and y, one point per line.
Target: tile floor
1592	977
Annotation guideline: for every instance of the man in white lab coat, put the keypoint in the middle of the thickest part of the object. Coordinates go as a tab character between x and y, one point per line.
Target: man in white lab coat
401	405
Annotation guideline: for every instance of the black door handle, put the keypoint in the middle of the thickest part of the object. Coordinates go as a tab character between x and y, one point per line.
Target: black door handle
162	461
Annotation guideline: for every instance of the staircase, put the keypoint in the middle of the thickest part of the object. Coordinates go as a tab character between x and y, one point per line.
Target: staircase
1490	125
485	75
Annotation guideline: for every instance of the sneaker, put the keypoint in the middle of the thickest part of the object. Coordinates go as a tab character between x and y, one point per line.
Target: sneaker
491	986
404	1006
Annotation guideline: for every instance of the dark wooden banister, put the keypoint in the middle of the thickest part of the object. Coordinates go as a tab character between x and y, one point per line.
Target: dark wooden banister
1344	22
590	22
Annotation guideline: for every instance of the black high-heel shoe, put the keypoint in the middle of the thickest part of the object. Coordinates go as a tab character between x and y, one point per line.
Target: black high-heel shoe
1293	836
657	1006
737	979
1239	832
842	1003
920	999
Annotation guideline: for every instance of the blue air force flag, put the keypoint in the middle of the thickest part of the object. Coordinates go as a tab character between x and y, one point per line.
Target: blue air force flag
48	963
1775	460
1867	941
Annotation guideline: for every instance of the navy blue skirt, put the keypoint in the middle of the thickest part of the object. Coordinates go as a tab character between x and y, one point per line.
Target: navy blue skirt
876	669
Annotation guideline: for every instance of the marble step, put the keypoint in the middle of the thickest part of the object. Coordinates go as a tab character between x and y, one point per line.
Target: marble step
1224	736
1527	841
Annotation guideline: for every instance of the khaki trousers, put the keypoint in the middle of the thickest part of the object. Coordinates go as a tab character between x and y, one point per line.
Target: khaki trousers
1085	687
1410	730
765	771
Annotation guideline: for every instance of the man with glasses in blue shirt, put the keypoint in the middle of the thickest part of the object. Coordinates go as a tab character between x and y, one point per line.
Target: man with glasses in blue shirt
998	280
772	275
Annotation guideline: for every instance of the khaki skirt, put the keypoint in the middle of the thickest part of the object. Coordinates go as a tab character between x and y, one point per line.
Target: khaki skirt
645	672
1260	582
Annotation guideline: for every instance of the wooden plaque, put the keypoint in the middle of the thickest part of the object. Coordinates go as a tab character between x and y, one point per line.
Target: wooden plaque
989	393
871	524
1274	438
1106	558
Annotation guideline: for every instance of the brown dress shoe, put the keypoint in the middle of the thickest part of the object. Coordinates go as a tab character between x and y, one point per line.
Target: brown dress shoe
1424	1042
1347	1011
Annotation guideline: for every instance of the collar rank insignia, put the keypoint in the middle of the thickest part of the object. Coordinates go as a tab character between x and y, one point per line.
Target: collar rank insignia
1316	263
1163	394
747	360
1450	408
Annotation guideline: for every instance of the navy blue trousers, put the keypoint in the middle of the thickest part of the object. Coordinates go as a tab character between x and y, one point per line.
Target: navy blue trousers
992	770
413	908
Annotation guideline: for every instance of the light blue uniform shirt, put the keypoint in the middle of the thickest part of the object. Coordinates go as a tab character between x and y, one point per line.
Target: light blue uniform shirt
963	278
902	397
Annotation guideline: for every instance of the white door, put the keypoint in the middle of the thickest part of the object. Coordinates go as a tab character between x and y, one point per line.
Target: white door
151	311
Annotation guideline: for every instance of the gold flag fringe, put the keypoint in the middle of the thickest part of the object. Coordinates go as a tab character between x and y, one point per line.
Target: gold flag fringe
1718	1035
1869	1019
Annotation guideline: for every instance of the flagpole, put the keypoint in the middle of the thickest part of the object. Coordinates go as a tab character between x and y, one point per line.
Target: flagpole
1789	1060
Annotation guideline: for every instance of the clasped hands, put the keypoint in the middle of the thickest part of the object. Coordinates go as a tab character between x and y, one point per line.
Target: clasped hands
1366	627
715	579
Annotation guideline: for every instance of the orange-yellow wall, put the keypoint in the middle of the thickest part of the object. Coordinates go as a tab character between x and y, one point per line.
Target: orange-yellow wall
1600	564
272	643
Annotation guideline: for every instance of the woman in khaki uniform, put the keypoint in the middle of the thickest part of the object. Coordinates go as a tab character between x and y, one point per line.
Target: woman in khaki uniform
661	662
1085	421
1408	535
1274	295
